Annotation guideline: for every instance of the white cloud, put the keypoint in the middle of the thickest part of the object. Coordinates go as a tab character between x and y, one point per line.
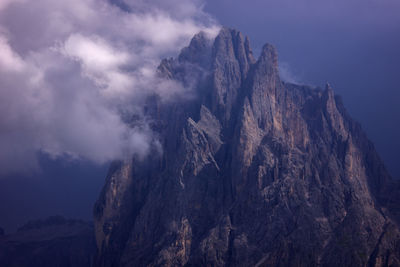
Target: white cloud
287	74
100	62
95	53
9	61
68	68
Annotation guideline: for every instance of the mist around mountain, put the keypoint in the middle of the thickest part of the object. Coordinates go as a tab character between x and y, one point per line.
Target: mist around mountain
247	170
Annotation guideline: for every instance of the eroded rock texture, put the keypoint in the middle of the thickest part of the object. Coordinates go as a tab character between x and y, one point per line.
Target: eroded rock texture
253	172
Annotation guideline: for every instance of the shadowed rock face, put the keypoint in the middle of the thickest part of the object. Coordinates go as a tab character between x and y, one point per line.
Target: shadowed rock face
254	172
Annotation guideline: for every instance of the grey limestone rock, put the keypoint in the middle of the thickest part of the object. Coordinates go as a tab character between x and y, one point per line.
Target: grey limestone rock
254	172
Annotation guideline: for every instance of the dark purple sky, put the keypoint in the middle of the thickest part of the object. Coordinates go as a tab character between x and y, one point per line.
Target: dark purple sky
353	44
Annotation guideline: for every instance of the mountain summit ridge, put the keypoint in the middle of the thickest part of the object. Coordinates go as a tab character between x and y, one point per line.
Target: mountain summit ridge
254	171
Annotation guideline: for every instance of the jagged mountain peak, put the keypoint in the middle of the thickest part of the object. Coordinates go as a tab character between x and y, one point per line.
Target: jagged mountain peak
253	172
269	57
328	86
199	46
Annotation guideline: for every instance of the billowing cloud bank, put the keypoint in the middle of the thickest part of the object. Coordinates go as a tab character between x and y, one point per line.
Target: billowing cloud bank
69	68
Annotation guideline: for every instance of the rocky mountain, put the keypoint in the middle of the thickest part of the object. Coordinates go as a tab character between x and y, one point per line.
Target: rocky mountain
54	242
253	172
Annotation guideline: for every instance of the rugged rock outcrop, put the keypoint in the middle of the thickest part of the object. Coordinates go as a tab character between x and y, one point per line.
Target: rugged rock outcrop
54	242
253	172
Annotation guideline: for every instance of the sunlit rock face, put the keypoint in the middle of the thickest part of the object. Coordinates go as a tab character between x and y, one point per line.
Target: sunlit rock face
253	172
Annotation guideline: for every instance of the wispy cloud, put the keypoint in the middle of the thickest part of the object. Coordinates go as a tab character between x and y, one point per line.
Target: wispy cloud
287	74
68	68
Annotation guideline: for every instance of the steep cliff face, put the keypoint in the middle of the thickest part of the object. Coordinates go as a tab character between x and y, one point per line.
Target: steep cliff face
253	171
